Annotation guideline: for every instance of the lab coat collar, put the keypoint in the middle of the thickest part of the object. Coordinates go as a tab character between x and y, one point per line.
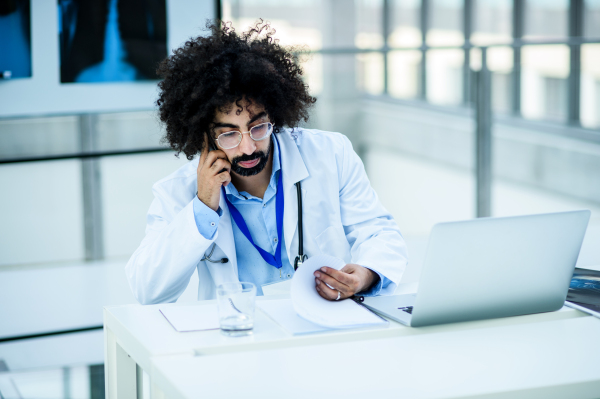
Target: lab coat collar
294	170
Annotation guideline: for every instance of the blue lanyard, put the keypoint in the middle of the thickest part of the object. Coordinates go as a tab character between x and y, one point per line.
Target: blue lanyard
239	220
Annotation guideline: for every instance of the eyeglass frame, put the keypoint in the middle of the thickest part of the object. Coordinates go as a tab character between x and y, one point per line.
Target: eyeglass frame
242	133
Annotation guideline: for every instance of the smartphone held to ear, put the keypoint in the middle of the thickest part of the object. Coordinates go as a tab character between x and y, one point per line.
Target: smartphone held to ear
213	147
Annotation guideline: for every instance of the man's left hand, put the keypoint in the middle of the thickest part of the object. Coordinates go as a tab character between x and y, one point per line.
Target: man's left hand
350	280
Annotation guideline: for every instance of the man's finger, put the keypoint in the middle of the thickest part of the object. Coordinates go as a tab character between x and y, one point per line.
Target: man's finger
331	282
324	295
204	152
220	164
327	292
340	276
213	156
225	178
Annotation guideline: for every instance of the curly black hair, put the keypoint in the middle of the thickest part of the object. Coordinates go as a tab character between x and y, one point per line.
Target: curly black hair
213	72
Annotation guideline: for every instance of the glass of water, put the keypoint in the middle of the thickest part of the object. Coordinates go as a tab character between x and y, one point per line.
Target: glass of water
236	308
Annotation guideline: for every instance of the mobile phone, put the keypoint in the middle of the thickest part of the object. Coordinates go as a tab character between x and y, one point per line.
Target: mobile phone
213	147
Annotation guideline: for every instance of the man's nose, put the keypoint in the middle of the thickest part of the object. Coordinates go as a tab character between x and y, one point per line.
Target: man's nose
247	145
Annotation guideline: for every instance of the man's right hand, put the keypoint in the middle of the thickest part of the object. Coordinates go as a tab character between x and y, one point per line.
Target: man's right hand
210	177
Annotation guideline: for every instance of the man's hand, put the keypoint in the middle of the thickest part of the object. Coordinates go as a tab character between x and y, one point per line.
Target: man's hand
210	177
351	279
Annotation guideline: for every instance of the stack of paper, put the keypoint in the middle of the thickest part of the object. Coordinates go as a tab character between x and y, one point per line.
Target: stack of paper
306	311
283	313
332	314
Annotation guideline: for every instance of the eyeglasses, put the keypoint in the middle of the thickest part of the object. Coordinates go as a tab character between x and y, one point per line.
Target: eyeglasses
232	139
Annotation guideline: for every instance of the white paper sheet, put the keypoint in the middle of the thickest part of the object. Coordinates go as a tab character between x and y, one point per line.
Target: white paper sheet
192	317
282	312
332	314
280	288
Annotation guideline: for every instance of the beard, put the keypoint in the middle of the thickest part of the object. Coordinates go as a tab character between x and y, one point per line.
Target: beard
239	170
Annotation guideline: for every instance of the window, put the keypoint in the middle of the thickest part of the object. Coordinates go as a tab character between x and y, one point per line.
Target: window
492	22
546	19
555	98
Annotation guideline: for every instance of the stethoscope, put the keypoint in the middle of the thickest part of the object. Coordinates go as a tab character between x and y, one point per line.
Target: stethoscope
300	258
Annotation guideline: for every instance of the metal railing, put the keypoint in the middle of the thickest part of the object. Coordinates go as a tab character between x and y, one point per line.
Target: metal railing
481	79
482	105
483	96
83	155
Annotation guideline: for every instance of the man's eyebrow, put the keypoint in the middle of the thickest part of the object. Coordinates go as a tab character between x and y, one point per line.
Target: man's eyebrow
257	117
231	125
217	125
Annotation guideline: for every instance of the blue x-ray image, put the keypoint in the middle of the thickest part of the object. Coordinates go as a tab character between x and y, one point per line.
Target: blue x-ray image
15	39
111	40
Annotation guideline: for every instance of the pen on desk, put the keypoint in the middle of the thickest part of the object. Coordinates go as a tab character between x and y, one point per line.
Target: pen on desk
359	299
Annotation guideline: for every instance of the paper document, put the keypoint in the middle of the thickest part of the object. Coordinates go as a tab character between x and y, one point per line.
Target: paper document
192	317
279	288
333	314
282	312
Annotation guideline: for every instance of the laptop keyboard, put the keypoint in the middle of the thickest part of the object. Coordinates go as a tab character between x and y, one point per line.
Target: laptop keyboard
407	309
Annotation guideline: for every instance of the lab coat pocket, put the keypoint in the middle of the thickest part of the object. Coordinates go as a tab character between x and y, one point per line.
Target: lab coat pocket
332	241
220	272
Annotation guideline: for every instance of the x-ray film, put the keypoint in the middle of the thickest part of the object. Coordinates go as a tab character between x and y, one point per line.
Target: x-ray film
111	40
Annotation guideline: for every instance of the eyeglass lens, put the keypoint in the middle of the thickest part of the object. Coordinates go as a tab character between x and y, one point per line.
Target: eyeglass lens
233	139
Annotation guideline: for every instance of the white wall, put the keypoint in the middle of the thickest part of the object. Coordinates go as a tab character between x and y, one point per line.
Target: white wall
126	196
41	211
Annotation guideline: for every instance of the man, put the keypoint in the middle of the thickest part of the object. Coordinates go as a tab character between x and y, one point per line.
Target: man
232	213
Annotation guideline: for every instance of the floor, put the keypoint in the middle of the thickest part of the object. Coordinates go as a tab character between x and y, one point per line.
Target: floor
74	382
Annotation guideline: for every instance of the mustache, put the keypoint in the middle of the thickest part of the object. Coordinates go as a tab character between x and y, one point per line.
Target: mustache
261	155
248	157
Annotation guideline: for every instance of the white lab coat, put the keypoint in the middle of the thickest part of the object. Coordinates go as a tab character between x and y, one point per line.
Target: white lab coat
342	216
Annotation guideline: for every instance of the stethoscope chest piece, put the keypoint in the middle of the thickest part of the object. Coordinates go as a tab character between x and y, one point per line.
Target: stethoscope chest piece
299	261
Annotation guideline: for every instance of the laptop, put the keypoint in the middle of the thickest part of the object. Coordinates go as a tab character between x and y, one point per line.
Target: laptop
491	267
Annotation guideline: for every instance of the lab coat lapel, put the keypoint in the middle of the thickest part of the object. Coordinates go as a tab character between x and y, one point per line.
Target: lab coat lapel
294	170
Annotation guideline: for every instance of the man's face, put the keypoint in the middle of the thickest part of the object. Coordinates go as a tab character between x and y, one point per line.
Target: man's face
249	157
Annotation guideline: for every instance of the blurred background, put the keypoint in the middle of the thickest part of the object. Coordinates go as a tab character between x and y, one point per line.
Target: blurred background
458	108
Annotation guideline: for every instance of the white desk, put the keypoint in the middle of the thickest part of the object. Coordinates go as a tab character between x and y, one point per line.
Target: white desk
140	336
553	359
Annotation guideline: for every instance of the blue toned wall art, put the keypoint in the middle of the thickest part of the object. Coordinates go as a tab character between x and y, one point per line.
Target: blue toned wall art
111	40
15	39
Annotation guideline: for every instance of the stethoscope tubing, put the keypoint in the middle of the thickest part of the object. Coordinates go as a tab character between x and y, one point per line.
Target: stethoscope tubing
301	257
